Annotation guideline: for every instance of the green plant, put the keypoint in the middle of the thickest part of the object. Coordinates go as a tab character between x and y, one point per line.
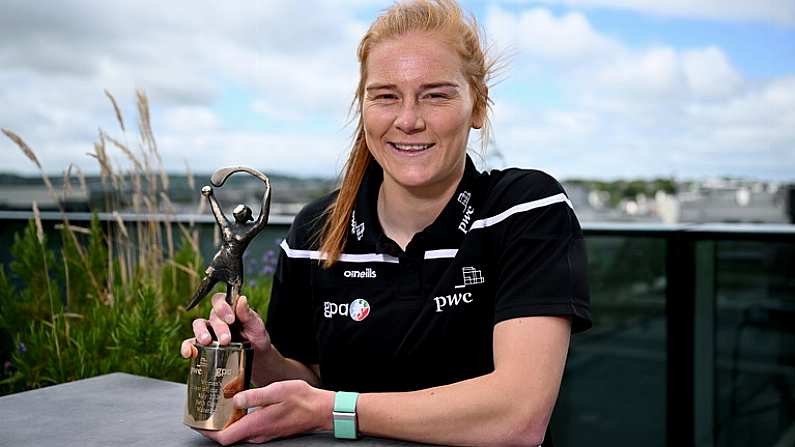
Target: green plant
108	297
31	266
138	331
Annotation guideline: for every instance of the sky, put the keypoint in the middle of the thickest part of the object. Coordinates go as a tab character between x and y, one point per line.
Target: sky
602	89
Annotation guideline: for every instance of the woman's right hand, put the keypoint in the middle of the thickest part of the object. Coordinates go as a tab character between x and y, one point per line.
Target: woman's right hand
221	316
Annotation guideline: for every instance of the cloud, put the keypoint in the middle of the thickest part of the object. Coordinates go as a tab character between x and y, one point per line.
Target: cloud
709	74
635	112
186	56
269	84
305	155
658	73
775	11
537	33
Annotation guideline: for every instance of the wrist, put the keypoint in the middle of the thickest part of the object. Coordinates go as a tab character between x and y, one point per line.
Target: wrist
325	410
261	374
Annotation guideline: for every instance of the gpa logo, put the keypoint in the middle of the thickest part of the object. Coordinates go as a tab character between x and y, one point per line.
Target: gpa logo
358	309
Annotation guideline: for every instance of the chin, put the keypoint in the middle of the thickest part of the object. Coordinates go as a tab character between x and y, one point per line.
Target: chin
413	179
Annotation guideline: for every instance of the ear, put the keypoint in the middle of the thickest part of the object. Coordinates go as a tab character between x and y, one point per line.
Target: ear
479	112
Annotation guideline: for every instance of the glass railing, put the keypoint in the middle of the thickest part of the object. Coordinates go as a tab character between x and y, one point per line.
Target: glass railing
693	340
614	387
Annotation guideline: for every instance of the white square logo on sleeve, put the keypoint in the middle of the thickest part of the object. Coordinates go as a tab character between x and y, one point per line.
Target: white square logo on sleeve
471	276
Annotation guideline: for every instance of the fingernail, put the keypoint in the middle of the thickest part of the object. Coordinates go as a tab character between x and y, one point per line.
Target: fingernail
229	319
240	400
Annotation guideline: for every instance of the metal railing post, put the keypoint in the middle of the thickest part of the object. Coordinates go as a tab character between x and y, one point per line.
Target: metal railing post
680	315
704	344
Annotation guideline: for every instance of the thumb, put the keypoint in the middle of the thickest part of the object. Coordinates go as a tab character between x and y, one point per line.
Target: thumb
243	310
247	316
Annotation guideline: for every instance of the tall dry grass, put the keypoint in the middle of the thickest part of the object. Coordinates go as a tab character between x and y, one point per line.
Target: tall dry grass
144	186
116	298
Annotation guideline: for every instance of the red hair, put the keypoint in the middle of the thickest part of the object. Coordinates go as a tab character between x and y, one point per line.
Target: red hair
440	17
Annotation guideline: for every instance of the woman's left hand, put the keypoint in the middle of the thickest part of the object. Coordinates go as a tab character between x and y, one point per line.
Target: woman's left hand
282	409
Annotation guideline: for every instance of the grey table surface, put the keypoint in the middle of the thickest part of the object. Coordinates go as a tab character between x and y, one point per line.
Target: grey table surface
118	409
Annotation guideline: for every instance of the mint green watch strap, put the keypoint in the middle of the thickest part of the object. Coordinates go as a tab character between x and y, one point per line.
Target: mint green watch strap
345	415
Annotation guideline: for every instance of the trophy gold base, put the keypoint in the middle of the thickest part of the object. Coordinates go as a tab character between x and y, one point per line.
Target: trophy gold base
217	373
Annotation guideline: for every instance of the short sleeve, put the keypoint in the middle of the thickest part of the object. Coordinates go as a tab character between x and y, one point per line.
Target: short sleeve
289	320
541	263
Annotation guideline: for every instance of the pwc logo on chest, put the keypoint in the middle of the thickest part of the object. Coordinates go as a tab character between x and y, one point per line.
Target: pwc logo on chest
358	309
472	277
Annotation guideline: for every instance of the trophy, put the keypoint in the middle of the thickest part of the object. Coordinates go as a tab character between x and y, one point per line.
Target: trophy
218	372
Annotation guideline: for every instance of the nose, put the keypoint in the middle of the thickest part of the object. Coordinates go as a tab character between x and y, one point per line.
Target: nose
409	119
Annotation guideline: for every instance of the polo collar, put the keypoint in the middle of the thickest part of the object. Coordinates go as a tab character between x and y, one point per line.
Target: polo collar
446	232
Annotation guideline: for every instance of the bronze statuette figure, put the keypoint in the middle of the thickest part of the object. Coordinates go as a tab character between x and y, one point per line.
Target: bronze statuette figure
227	264
218	372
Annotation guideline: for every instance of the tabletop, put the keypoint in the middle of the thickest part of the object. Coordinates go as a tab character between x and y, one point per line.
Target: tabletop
118	409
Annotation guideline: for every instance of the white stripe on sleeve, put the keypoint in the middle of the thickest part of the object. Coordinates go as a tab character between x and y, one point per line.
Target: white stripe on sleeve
522	207
344	257
441	254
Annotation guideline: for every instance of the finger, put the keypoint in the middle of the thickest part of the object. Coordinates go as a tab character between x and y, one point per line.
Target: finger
201	332
221	330
222	308
213	435
262	425
261	397
187	349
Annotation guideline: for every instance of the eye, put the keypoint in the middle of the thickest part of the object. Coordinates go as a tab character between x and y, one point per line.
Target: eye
437	96
384	97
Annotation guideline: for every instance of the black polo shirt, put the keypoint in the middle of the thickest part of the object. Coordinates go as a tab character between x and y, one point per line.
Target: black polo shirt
507	245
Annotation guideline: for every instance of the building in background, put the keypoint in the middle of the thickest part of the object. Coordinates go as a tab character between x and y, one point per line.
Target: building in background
707	201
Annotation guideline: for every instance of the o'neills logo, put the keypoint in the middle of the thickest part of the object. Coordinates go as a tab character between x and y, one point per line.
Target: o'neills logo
366	273
358	309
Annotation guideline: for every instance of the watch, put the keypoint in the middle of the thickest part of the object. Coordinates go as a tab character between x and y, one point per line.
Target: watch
344	415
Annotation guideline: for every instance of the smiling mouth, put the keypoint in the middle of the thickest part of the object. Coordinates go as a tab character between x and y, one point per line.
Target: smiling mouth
411	148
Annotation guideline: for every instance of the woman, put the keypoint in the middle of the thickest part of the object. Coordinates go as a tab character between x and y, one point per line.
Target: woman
446	297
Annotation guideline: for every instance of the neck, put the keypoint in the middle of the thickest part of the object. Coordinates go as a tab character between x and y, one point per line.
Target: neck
404	212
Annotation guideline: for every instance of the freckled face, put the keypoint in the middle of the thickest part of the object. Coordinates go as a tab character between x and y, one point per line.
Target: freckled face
417	111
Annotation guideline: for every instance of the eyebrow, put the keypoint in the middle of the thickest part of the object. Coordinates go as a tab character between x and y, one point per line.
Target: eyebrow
427	86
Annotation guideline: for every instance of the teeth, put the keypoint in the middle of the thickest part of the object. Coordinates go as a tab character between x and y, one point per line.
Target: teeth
411	147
